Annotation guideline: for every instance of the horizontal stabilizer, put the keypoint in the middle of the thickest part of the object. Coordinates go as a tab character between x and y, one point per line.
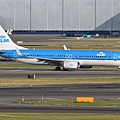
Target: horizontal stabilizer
2	51
18	52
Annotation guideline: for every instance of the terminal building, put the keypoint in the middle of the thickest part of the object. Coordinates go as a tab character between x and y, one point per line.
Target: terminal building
60	15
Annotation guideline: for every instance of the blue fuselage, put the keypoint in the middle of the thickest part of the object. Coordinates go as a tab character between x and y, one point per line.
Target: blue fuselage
64	54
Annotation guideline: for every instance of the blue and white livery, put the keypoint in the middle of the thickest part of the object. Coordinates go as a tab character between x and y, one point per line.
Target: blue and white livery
67	59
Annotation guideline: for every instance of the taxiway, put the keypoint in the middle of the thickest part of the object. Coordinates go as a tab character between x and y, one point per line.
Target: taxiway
9	96
42	73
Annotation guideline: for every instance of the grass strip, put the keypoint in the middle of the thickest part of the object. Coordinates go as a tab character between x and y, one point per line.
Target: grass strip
57	81
47	102
47	116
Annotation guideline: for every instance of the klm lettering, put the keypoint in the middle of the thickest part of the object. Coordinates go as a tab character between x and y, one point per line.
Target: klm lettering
4	40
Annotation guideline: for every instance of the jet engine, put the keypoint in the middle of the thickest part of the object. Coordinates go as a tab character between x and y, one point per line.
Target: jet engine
71	65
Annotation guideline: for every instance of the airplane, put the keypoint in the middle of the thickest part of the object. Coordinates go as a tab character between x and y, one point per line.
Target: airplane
66	59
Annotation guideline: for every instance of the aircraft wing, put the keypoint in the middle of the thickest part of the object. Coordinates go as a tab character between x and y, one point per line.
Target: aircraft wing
51	61
57	62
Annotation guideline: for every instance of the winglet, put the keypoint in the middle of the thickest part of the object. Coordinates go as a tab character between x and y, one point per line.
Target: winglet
65	48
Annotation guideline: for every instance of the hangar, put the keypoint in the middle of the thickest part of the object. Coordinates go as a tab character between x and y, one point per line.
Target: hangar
60	15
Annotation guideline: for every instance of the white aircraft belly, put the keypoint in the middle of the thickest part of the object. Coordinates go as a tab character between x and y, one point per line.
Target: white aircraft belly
100	62
82	62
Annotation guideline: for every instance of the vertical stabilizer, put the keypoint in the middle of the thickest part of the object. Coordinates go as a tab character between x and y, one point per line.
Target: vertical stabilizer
6	43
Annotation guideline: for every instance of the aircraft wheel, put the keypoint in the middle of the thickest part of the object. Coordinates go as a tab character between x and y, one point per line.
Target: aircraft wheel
57	69
65	69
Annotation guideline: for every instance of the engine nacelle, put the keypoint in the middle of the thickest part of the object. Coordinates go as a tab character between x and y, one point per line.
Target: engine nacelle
70	65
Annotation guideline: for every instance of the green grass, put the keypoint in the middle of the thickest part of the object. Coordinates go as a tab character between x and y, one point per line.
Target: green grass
56	81
71	103
72	43
62	116
77	45
18	65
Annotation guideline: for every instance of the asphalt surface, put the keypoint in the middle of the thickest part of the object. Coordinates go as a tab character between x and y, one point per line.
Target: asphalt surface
43	73
45	109
37	37
9	97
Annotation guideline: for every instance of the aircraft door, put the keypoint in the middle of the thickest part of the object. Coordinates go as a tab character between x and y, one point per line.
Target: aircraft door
115	57
15	55
68	56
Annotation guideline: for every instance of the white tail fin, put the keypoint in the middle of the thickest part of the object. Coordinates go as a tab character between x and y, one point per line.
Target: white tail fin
6	43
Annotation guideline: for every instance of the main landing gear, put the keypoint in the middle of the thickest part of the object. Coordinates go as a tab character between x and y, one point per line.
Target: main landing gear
59	69
65	69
